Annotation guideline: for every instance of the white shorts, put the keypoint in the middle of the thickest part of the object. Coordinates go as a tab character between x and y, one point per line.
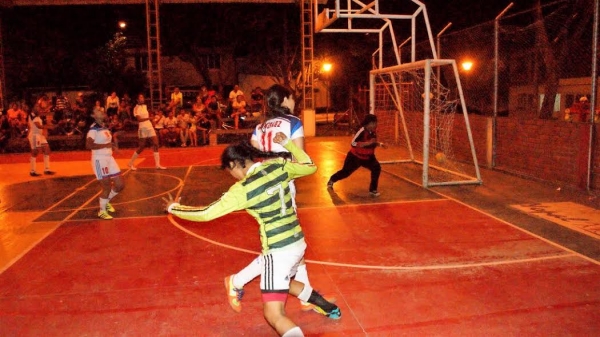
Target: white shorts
105	167
37	141
146	133
279	266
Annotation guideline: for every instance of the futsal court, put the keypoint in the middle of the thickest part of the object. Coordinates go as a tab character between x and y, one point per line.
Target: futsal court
473	260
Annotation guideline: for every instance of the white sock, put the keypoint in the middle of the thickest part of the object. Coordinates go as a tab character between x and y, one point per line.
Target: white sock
156	159
302	275
112	194
305	293
293	332
247	274
133	158
32	163
103	203
46	162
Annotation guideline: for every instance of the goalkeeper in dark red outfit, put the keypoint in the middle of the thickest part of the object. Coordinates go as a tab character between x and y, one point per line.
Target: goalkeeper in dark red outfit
362	153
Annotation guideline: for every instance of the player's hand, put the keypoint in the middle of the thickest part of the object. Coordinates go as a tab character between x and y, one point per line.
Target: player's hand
280	138
170	201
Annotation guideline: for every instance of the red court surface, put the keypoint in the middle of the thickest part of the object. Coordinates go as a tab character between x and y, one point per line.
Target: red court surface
414	262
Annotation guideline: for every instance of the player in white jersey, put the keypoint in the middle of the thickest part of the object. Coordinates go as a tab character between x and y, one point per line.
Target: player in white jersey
108	173
145	132
278	118
37	139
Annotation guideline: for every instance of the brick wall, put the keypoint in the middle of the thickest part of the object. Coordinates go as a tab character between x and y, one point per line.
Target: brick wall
550	150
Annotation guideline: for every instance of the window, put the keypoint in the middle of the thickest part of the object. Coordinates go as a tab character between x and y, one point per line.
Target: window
141	62
212	61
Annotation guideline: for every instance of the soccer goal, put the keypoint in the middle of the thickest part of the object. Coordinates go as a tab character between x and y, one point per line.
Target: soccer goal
421	111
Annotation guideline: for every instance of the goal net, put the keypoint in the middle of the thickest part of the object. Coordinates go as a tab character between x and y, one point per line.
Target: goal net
419	107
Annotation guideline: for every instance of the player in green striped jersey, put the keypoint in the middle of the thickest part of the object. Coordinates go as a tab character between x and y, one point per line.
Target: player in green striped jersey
263	191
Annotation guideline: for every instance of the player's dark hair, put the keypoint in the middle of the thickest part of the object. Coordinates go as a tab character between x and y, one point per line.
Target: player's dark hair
273	99
243	151
368	119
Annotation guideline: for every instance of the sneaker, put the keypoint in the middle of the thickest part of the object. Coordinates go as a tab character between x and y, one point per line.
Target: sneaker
374	194
333	314
330	184
104	215
305	306
235	295
49	173
161	167
110	208
131	167
34	174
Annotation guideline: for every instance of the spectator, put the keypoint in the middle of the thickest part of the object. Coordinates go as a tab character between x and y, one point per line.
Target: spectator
116	127
171	131
256	100
183	121
235	93
239	110
5	132
159	125
112	104
176	100
62	108
206	94
214	112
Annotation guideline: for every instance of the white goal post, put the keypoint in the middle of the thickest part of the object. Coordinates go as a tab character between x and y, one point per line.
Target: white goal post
421	111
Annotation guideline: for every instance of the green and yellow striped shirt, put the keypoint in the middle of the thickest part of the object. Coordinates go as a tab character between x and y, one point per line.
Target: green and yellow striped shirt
265	194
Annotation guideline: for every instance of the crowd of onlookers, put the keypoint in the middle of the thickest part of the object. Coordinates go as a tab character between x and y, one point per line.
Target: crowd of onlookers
177	122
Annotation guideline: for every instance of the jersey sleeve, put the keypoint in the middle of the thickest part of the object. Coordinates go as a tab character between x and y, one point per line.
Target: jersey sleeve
233	200
303	165
296	129
91	134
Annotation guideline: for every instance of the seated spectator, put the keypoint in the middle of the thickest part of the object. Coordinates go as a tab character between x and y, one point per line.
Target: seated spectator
176	100
79	107
183	122
171	131
198	106
239	110
116	127
256	100
159	125
214	112
112	104
206	94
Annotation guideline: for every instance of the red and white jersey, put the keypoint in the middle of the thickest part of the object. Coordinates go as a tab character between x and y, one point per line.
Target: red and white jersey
142	111
100	135
289	125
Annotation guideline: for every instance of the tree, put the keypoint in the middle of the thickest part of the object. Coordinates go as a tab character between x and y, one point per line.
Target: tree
556	50
111	72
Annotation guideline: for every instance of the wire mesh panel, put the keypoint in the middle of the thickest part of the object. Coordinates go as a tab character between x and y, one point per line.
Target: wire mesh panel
416	105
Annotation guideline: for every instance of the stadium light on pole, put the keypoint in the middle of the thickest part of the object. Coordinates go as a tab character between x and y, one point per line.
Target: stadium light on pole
122	25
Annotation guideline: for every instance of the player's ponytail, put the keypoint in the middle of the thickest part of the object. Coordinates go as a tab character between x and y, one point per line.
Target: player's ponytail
243	151
274	98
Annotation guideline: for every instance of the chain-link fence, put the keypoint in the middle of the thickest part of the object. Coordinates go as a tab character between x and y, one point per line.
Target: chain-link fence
532	69
543	66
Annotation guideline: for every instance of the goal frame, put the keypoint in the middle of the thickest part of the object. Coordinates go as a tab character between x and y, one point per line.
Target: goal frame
427	65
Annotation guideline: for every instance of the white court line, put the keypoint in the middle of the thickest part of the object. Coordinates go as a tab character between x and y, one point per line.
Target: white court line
377	267
134	200
552	243
58	224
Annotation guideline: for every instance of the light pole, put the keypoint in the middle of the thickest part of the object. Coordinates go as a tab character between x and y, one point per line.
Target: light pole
326	69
